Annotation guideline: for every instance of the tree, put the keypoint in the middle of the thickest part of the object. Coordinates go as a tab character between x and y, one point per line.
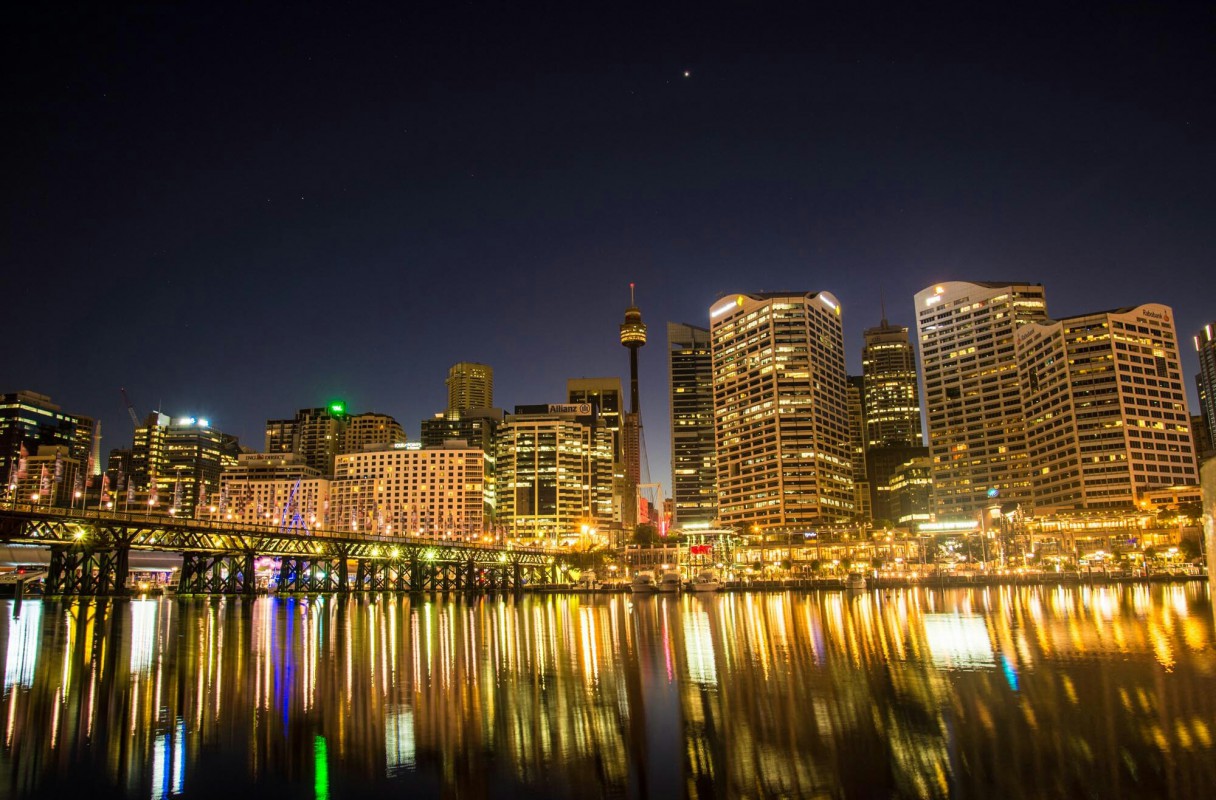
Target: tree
645	535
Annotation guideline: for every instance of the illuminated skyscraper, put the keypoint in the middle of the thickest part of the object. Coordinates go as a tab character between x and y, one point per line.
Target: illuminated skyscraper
1205	347
781	411
694	465
470	385
892	412
554	473
892	402
1105	408
31	420
977	438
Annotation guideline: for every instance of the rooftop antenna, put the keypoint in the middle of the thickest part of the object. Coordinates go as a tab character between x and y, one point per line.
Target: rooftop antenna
882	302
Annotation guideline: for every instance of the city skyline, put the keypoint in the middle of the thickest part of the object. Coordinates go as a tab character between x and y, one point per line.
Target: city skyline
342	204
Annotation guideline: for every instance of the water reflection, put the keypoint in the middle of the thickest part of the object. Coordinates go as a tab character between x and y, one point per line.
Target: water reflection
1098	691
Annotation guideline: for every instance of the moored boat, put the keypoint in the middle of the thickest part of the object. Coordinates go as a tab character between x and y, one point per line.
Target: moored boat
706	581
643	583
855	580
670	582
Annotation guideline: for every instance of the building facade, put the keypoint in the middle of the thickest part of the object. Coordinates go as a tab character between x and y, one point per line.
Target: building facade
1205	348
1105	409
781	411
278	489
892	400
31	421
862	506
431	493
554	473
370	429
694	463
317	434
973	402
470	385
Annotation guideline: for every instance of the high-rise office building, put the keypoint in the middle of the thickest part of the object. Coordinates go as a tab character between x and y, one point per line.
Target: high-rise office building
855	389
32	421
1105	408
892	412
694	465
470	385
606	401
554	473
892	402
176	464
781	411
433	493
1205	347
977	437
318	434
370	429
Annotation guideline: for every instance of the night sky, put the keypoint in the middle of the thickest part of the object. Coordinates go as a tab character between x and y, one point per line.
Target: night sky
238	212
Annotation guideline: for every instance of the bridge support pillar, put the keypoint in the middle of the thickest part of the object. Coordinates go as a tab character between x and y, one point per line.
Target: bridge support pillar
415	576
517	579
249	576
75	570
470	580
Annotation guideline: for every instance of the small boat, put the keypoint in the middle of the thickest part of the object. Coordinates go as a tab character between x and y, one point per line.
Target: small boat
643	583
706	581
855	580
670	582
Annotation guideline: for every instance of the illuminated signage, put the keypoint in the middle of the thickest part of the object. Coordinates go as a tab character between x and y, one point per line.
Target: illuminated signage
583	409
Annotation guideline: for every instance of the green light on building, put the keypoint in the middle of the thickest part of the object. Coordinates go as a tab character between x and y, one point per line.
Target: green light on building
337	409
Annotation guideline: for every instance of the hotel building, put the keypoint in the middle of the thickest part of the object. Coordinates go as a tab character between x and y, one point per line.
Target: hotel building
1105	409
973	401
434	493
781	416
277	489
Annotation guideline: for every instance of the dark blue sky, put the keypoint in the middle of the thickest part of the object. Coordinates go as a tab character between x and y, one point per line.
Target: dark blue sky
239	212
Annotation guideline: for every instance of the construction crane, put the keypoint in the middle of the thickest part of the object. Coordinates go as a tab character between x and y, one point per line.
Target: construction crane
130	408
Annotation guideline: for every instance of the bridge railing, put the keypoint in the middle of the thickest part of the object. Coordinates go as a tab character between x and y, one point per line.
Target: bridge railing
229	526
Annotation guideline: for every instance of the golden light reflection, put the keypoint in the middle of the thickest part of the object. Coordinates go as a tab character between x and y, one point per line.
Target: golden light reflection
910	692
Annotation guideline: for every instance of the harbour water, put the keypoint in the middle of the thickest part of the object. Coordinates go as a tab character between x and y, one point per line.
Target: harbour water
1105	691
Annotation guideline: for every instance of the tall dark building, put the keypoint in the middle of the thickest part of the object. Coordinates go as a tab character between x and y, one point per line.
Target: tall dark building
694	465
855	393
1205	346
31	420
318	434
892	412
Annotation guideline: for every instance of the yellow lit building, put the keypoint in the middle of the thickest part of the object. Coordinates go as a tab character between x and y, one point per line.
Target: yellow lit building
435	493
1106	410
780	411
969	371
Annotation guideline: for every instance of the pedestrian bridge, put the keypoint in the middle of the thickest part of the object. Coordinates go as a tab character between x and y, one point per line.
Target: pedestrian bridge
89	554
